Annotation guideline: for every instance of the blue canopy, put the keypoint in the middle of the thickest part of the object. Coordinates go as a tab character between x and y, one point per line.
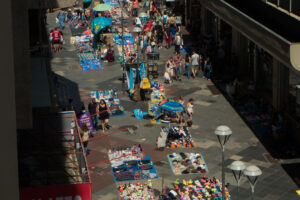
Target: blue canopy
100	23
172	106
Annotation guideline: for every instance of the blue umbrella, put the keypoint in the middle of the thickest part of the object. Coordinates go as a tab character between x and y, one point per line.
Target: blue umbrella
172	106
100	23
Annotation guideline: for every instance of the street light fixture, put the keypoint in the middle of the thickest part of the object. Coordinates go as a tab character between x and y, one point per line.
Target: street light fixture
252	173
122	6
137	30
223	133
237	167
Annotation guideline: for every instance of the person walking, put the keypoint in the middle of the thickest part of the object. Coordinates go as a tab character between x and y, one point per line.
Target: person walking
135	6
147	6
61	19
207	70
160	38
165	18
169	71
188	62
206	62
103	114
92	107
190	110
84	133
177	42
181	115
168	36
195	63
177	69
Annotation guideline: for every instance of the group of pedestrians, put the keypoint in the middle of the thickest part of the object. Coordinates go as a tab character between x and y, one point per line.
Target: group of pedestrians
160	29
99	111
190	65
189	110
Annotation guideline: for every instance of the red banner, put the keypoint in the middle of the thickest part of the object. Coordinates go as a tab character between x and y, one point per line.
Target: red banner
80	191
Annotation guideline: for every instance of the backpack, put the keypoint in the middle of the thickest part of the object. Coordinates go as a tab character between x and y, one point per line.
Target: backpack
165	19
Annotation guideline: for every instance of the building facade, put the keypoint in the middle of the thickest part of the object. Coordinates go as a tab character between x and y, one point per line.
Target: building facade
263	47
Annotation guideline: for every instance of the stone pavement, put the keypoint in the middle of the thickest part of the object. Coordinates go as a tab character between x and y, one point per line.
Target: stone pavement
211	110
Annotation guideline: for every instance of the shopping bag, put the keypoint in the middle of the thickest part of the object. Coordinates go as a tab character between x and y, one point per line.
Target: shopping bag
145	83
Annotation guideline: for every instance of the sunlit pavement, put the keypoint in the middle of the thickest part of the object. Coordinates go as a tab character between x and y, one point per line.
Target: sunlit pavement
211	110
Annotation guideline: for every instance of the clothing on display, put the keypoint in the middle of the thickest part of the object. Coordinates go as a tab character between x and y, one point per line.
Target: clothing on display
132	170
202	189
187	163
178	137
137	191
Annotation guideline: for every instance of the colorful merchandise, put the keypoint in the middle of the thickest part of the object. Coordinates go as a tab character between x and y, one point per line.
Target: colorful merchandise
178	137
137	191
120	154
187	163
203	189
112	100
132	170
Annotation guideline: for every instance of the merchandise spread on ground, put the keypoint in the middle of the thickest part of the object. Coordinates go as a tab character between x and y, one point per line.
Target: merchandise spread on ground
187	163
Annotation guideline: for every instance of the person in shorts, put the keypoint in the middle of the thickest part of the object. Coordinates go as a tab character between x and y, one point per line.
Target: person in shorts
56	39
195	63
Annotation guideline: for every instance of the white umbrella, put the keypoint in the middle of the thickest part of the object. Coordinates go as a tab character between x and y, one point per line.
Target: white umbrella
143	14
137	30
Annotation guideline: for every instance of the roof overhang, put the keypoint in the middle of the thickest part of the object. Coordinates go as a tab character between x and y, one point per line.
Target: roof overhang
45	4
286	52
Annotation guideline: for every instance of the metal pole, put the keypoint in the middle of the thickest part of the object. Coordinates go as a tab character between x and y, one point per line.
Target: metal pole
185	17
290	6
123	68
223	173
252	192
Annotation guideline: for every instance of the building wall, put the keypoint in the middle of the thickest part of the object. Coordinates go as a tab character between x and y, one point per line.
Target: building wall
8	148
21	65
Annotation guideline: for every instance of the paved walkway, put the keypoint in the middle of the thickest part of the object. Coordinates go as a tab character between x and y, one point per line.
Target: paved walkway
211	110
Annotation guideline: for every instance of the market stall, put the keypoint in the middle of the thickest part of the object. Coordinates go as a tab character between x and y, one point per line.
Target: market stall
201	189
157	95
136	191
128	47
187	163
89	59
131	164
112	100
177	137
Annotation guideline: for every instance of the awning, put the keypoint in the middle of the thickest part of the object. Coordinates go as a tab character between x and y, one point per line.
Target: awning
259	28
45	4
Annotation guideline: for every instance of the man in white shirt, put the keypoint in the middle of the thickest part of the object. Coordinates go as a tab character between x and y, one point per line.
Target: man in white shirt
195	63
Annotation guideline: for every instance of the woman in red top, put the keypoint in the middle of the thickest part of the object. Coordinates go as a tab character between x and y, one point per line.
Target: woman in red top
135	6
152	9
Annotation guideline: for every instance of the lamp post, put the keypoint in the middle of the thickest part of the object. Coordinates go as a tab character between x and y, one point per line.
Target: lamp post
137	30
252	172
237	167
122	36
143	17
223	133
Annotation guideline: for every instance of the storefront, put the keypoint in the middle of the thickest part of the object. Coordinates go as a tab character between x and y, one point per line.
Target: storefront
264	66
